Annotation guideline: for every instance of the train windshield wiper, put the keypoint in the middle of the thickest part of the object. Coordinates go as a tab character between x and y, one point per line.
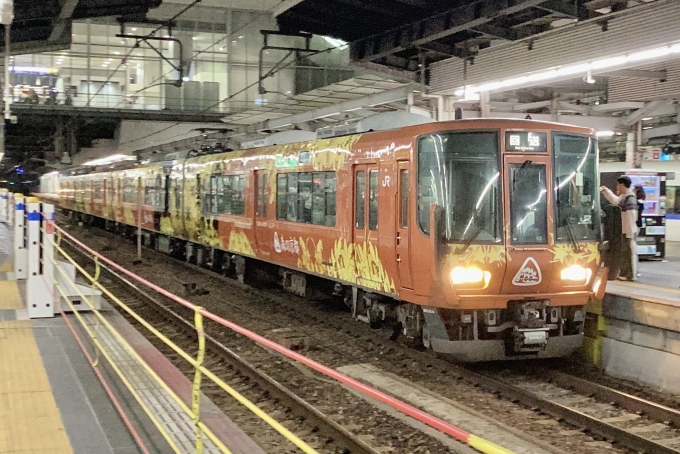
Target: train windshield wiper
570	228
472	238
520	172
572	237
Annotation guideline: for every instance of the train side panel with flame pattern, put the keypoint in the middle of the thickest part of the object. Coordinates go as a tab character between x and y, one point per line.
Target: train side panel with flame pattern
476	238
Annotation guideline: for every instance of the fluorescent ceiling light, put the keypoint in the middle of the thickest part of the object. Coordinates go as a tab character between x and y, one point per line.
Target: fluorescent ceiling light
647	118
490	87
648	54
608	62
581	68
109	160
30	69
338	43
604	134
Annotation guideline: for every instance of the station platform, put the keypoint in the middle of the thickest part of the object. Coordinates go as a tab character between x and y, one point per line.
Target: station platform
634	332
52	401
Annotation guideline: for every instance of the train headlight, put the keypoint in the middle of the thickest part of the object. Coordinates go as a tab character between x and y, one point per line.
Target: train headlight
470	276
576	275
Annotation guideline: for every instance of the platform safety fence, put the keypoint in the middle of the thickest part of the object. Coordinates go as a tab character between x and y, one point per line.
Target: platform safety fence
53	235
200	371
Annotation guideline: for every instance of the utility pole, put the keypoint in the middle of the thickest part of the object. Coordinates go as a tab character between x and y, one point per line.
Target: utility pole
6	18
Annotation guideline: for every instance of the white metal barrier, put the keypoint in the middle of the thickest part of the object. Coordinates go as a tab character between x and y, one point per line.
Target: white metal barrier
10	209
4	196
34	258
40	287
20	251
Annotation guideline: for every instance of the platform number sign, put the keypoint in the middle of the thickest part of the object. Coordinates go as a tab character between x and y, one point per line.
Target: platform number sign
526	141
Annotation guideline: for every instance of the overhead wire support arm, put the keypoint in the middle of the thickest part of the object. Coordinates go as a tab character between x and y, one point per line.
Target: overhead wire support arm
297	50
146	39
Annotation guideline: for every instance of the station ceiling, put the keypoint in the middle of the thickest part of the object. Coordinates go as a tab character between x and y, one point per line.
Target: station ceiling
406	33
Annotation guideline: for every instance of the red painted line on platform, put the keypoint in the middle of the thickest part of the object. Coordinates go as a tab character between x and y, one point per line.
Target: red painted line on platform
106	387
405	408
220	424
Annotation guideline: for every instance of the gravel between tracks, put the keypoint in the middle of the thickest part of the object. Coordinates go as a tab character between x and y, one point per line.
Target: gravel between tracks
337	340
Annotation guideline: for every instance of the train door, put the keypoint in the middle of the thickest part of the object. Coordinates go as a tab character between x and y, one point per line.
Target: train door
529	206
403	239
263	235
366	184
166	196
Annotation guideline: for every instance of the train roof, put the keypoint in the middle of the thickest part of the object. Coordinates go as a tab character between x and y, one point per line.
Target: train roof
414	130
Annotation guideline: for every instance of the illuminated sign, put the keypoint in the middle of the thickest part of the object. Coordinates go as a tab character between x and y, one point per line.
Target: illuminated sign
526	141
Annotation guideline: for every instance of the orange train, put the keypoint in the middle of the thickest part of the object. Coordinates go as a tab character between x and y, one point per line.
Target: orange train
476	238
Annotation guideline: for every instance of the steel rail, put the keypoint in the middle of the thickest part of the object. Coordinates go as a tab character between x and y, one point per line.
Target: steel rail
569	415
298	406
623	400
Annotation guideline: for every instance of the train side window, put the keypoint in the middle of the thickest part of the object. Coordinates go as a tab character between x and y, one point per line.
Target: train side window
331	185
403	204
373	200
304	198
150	192
214	192
319	199
160	193
308	198
98	194
292	197
281	194
109	190
178	194
238	191
88	190
360	202
262	194
129	190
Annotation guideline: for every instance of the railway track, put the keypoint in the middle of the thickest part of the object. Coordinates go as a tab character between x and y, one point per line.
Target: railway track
628	420
616	423
250	378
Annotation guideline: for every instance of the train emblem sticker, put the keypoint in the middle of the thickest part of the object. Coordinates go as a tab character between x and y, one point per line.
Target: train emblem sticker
529	273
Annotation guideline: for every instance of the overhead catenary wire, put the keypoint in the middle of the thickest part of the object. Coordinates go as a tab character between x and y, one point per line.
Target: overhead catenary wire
225	99
124	59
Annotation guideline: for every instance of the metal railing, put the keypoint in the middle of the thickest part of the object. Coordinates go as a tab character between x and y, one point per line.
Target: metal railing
200	370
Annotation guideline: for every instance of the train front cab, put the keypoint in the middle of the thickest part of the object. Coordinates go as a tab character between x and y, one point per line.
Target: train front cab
512	218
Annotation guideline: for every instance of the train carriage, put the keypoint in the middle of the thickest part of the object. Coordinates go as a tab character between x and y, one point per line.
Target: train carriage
477	238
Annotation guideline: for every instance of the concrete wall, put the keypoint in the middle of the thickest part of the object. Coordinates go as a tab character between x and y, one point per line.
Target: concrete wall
640	339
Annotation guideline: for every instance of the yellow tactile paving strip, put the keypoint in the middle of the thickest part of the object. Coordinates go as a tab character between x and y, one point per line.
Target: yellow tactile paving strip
6	267
9	296
29	417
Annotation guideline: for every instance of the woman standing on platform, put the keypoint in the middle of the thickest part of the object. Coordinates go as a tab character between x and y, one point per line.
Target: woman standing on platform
626	200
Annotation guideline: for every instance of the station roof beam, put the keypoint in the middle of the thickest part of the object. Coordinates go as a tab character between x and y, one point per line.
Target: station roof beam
427	30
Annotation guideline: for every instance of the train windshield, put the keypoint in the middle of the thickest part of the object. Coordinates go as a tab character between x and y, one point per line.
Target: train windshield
528	204
459	171
576	184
